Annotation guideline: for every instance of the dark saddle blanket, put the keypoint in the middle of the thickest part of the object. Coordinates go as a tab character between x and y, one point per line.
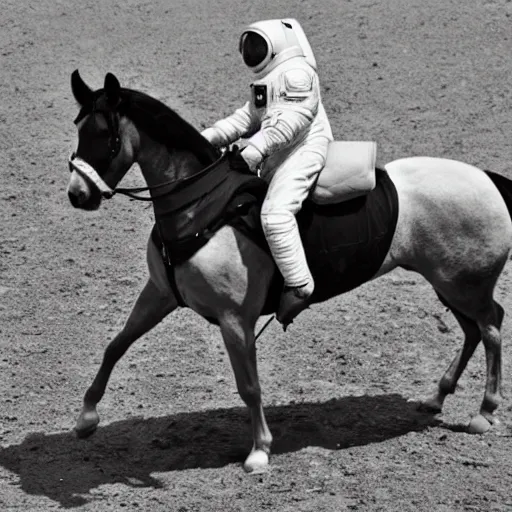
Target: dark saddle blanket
345	243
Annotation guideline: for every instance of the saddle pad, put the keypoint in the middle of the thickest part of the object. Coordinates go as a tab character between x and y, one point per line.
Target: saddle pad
346	243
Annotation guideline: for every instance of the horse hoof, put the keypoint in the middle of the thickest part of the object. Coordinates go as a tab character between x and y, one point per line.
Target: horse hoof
430	406
479	425
87	424
257	462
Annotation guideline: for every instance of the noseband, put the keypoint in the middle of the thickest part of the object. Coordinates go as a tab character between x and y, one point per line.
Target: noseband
88	172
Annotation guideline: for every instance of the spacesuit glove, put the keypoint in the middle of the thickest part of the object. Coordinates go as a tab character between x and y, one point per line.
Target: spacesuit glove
212	136
252	156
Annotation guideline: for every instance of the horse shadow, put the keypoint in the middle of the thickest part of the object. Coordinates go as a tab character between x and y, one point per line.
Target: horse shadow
65	469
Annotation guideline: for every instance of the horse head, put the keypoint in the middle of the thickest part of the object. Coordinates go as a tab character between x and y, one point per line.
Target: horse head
118	127
106	142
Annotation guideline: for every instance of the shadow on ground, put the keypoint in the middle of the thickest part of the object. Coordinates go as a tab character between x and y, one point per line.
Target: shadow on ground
66	469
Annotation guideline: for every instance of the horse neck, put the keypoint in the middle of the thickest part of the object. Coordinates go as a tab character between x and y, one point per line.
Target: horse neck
159	165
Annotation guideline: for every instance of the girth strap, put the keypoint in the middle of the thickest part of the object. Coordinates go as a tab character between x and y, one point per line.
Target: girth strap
169	268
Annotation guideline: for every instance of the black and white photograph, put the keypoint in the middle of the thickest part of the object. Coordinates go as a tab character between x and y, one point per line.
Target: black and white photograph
256	256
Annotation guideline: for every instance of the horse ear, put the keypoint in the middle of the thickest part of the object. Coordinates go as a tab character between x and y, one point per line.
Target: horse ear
112	89
81	91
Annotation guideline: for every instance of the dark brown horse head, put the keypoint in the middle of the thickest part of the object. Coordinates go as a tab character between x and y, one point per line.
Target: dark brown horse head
104	153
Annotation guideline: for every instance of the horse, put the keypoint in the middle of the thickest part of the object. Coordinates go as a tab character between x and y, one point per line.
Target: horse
453	226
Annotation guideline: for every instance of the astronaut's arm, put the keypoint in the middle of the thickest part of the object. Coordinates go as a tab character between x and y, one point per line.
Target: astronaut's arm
231	128
286	119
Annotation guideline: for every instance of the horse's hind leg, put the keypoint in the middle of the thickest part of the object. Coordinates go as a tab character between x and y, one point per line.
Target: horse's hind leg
149	309
240	343
448	382
481	322
490	325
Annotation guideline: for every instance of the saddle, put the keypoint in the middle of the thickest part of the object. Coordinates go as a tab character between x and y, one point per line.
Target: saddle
349	172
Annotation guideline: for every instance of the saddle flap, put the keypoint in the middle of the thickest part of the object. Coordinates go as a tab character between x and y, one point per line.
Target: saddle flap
349	172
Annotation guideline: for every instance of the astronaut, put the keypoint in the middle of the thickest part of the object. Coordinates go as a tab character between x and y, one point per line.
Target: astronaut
287	134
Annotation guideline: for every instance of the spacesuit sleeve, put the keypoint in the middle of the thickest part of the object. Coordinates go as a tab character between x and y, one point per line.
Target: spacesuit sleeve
228	130
294	111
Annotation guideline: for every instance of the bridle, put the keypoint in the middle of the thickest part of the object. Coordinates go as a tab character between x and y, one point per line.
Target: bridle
87	171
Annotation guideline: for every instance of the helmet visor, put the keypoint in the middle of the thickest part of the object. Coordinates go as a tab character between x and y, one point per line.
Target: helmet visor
254	49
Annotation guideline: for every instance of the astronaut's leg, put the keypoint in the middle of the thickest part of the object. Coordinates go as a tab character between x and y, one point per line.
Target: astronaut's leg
288	189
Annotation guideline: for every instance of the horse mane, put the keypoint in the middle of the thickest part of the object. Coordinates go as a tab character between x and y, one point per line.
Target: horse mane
158	121
164	125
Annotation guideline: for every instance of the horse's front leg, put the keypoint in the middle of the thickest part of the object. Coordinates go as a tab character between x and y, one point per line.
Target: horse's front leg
240	343
154	303
149	309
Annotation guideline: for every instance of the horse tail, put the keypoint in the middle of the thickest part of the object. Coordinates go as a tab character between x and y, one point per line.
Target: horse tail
504	185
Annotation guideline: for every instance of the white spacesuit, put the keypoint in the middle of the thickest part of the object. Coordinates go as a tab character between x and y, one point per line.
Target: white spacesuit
289	134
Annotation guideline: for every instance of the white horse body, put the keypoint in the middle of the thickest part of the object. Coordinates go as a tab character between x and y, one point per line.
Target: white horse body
455	197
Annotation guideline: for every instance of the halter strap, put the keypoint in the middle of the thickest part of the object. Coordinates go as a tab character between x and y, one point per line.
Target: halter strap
87	171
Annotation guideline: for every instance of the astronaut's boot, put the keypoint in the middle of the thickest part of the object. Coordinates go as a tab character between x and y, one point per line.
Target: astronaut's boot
293	300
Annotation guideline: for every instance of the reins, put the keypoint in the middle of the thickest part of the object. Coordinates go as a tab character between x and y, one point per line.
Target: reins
132	191
87	171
